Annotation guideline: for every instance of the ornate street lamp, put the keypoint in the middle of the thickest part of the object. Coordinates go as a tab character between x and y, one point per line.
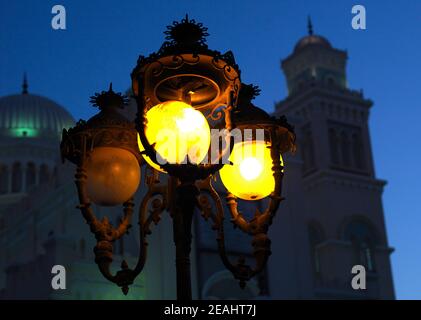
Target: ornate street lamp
182	92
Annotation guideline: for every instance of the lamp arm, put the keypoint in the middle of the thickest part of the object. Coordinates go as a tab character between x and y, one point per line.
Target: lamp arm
260	242
262	220
157	195
106	234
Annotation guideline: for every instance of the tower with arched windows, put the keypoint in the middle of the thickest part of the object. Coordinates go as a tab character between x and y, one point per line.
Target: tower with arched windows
333	217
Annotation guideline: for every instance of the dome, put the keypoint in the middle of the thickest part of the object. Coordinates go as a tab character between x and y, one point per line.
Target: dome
29	115
312	40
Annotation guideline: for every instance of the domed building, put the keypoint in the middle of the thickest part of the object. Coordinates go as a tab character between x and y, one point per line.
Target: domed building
40	225
30	129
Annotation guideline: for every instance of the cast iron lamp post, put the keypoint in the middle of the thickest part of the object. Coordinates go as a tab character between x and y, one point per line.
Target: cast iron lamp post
183	90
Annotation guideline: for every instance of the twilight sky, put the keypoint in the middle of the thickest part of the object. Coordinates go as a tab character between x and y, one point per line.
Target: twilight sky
104	38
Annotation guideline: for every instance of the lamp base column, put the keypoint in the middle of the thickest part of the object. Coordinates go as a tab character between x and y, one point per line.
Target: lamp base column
182	214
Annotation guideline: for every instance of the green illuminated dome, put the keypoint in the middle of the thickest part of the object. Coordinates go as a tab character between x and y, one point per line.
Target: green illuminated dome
32	116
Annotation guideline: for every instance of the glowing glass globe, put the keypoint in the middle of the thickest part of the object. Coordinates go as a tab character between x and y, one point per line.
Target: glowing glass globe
251	176
113	176
177	129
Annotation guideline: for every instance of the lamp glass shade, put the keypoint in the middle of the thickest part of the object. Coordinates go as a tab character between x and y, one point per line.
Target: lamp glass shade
113	176
250	177
177	130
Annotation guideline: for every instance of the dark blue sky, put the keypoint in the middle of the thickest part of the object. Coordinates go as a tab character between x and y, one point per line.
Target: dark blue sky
104	38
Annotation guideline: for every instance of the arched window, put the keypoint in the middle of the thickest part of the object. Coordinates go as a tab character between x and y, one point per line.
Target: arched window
4	179
315	237
44	174
17	177
30	175
334	146
345	149
357	150
362	236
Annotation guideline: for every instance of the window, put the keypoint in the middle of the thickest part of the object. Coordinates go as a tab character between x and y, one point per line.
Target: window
17	177
357	150
346	147
334	146
315	237
4	179
44	174
30	175
362	236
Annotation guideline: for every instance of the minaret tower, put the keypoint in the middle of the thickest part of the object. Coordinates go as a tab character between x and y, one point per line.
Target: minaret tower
333	217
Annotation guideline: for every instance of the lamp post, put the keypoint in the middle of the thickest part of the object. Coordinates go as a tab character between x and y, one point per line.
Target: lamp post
182	92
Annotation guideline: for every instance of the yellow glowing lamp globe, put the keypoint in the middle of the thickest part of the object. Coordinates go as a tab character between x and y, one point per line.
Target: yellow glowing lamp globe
251	176
177	130
113	176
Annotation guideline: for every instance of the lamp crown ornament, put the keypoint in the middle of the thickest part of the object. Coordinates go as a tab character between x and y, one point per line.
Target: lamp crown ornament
186	69
187	33
109	99
248	93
